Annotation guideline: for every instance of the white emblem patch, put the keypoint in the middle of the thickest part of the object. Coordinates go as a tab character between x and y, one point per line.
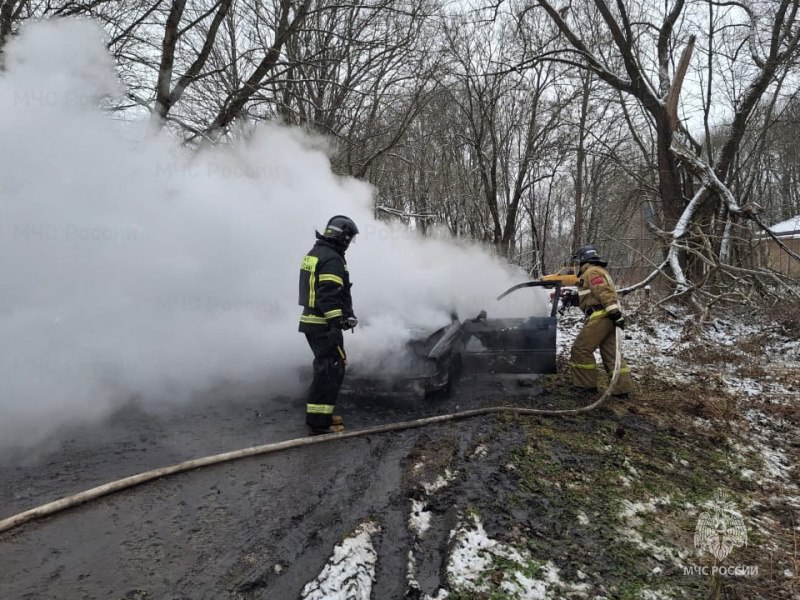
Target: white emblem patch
720	529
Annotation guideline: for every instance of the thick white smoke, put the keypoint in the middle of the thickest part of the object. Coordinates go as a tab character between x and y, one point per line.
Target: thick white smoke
130	268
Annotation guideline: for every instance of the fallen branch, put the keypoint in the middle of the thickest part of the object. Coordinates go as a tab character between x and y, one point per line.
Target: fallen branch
404	215
659	270
711	182
708	179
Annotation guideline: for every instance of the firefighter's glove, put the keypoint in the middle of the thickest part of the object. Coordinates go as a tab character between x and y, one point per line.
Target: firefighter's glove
616	318
349	323
335	337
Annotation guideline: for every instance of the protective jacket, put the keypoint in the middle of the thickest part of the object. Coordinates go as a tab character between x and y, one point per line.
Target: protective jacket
324	288
598	296
596	290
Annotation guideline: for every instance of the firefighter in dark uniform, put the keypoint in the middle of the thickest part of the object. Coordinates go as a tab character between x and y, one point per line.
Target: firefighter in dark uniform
327	311
600	303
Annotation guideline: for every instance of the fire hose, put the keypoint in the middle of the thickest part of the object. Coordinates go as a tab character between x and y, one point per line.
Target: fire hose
112	487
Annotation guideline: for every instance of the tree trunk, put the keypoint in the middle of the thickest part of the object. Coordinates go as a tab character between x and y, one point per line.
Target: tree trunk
580	162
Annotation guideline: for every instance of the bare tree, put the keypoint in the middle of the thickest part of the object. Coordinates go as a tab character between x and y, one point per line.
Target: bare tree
507	122
167	95
651	75
526	125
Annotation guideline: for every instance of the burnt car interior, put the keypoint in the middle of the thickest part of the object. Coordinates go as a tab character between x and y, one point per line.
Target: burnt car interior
434	362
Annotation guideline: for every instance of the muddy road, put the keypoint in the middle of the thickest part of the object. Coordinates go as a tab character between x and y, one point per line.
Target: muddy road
256	528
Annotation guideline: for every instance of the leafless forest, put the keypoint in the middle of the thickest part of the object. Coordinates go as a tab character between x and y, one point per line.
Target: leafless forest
663	131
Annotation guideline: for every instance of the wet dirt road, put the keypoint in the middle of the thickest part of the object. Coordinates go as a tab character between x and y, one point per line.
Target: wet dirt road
255	528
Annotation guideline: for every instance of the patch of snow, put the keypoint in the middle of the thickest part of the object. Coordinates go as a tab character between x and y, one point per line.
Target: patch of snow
746	386
630	468
702	423
793	501
480	451
419	521
441	482
660	553
770	435
631	516
474	554
727	333
632	510
411	572
777	463
350	571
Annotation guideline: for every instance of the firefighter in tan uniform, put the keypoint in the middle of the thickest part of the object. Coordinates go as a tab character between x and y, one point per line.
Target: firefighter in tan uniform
600	304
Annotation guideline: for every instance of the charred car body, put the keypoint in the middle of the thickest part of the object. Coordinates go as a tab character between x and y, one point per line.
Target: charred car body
434	362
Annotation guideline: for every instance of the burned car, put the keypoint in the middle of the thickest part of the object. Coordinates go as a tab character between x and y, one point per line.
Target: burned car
434	361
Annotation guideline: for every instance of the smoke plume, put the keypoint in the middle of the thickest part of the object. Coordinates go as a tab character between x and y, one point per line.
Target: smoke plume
132	268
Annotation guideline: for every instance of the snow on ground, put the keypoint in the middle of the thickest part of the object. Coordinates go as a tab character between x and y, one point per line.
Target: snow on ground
521	577
440	483
657	594
631	516
768	443
419	521
350	572
475	553
738	366
744	378
481	451
719	357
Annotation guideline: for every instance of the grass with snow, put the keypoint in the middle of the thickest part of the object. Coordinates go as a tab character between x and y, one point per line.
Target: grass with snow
611	502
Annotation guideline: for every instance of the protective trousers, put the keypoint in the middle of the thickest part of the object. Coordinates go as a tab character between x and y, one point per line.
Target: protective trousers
328	375
597	332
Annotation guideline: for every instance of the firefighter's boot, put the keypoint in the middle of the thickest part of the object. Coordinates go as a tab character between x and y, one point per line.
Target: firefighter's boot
336	426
